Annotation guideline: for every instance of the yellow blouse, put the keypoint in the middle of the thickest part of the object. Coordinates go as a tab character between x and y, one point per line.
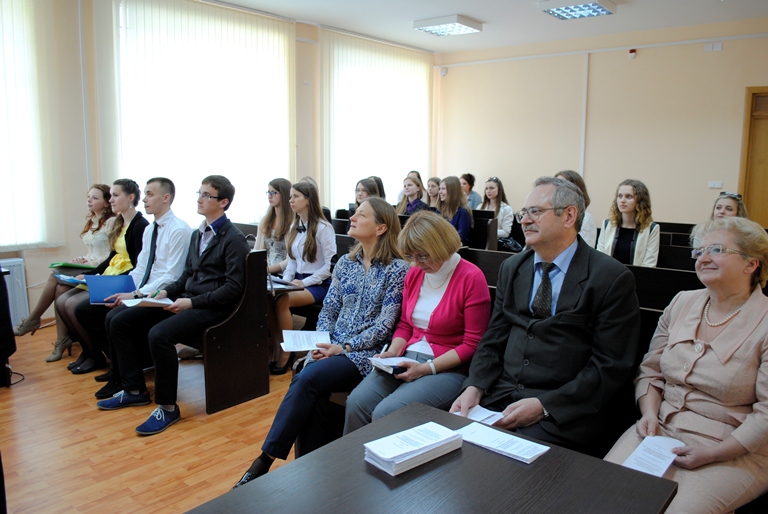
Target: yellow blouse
121	262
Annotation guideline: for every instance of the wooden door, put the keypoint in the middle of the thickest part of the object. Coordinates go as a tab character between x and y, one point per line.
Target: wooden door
755	156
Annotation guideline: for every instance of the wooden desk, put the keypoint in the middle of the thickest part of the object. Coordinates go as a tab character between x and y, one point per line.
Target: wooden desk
336	479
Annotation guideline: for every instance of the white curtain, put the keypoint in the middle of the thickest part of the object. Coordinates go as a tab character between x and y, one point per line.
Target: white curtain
200	90
31	209
376	105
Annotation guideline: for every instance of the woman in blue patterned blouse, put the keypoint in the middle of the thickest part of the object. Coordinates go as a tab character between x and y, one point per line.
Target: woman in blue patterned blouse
360	311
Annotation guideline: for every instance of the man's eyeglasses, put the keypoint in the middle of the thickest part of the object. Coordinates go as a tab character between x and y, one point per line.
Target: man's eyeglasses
727	194
272	193
715	250
421	257
206	196
534	213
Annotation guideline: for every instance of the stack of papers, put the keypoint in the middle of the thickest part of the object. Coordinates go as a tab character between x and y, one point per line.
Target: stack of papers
503	443
410	448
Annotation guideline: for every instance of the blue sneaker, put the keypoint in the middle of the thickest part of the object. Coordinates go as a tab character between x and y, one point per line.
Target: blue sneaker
124	399
159	420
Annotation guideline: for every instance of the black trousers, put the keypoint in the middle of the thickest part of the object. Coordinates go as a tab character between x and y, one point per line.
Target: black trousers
303	412
132	328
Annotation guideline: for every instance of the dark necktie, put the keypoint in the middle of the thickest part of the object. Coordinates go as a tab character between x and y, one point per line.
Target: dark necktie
151	260
542	302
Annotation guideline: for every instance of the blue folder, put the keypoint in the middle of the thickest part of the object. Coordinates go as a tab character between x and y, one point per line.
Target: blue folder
102	286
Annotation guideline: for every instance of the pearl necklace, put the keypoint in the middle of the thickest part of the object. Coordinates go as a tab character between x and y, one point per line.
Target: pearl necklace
727	318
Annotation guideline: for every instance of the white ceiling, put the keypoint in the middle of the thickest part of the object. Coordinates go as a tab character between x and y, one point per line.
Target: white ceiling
506	22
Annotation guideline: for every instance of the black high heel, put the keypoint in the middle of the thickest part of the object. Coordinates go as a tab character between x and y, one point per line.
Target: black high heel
275	370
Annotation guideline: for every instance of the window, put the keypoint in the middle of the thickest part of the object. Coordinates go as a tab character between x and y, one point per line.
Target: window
204	90
376	113
31	209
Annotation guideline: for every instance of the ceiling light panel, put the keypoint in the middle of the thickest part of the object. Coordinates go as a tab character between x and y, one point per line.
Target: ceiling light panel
576	11
449	25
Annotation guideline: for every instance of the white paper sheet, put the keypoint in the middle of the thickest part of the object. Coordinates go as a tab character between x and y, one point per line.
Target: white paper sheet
654	455
482	415
148	302
303	341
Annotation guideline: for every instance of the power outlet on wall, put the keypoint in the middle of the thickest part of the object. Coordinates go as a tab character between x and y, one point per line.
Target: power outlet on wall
715	184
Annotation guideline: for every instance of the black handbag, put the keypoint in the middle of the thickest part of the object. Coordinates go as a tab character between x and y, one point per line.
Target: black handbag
507	244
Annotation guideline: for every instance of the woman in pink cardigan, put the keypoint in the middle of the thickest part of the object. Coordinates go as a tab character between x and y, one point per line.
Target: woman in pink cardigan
446	307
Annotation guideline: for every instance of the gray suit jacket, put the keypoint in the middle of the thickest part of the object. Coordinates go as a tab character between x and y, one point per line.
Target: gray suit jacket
575	361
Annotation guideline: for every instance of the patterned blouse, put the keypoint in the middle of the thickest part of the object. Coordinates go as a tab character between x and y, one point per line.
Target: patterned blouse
362	309
276	250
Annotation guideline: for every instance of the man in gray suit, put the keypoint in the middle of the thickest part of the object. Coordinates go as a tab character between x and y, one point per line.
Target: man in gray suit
563	335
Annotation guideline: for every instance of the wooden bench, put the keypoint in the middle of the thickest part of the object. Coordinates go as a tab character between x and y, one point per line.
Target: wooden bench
235	351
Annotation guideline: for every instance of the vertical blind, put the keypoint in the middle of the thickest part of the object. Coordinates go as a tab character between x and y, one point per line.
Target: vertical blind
376	105
31	210
204	90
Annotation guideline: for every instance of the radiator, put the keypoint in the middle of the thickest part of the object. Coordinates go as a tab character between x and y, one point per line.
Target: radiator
17	289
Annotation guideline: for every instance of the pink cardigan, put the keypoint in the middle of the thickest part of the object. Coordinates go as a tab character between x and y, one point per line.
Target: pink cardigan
461	317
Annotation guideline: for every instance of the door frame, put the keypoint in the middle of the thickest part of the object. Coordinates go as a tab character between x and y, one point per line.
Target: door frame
745	136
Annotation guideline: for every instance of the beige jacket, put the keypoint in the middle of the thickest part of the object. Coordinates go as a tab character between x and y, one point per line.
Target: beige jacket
715	389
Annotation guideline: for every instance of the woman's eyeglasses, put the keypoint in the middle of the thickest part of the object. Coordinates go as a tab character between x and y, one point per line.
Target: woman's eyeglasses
715	250
272	193
420	257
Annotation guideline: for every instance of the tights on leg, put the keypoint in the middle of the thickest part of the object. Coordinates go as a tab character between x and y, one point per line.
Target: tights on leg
283	305
67	314
46	298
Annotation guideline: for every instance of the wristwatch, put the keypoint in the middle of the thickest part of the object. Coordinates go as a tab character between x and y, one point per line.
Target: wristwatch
137	294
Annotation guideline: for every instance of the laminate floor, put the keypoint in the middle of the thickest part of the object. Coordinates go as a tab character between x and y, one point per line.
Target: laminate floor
62	454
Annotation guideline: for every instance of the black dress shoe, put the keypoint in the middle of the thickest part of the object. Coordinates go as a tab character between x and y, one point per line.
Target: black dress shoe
108	391
89	365
104	377
275	370
81	359
246	478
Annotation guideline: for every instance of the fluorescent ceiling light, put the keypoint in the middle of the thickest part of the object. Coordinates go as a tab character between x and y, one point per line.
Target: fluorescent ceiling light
571	12
448	25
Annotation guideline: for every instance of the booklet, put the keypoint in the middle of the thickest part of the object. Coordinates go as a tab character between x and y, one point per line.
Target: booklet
483	415
503	443
66	279
70	265
405	450
148	302
303	340
104	286
391	364
654	455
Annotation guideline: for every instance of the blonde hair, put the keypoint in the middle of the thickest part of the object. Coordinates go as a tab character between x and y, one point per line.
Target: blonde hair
404	202
748	236
741	209
428	233
386	247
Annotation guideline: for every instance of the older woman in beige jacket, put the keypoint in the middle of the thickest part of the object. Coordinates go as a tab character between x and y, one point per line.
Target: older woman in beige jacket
704	380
